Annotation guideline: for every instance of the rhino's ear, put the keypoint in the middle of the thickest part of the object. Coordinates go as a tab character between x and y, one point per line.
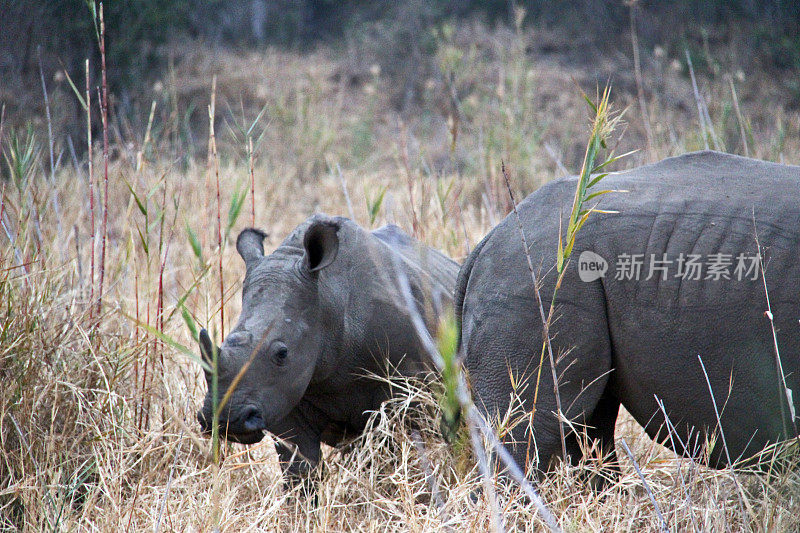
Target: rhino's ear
250	244
321	243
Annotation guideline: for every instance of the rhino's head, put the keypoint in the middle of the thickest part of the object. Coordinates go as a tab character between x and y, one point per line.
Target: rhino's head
271	356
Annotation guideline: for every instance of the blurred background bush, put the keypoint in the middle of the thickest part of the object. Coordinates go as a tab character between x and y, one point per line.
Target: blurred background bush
421	59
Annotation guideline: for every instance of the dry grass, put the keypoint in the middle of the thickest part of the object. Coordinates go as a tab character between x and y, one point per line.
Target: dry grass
97	425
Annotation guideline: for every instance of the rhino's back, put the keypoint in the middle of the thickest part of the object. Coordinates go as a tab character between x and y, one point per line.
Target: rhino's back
712	206
709	183
700	203
704	182
705	202
719	208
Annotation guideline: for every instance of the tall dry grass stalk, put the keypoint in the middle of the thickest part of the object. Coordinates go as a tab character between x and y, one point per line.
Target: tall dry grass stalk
89	159
740	118
637	70
251	163
104	116
213	164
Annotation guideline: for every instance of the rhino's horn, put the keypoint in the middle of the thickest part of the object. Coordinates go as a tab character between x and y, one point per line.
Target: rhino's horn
250	244
206	346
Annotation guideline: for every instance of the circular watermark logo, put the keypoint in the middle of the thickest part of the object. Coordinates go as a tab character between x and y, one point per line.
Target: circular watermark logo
591	266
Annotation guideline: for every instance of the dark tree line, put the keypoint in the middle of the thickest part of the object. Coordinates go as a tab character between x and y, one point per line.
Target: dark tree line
62	32
140	26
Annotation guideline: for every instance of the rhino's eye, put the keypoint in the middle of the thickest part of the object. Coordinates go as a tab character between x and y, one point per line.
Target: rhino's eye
279	353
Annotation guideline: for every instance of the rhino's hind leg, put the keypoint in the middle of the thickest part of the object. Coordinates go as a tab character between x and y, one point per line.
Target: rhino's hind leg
535	438
597	440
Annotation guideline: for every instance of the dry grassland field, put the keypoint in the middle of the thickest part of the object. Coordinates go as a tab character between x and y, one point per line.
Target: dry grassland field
109	259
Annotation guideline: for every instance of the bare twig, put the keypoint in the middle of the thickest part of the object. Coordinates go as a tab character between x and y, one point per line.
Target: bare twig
715	142
73	155
140	153
79	263
545	319
490	210
716	411
251	163
514	470
212	146
646	486
53	163
702	109
742	498
344	191
461	390
409	179
673	434
785	391
474	418
467	244
47	114
697	100
637	67
89	157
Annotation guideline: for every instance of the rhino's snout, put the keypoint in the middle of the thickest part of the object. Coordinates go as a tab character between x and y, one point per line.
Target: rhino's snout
252	420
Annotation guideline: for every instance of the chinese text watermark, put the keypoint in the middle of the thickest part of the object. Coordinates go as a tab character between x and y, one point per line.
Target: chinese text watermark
688	267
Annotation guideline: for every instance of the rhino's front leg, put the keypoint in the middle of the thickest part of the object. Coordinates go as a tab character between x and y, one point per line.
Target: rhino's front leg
297	469
299	452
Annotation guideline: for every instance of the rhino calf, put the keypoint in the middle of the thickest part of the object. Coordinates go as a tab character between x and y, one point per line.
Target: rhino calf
670	280
320	314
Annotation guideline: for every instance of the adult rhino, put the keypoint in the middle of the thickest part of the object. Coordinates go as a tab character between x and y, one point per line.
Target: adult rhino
637	338
319	315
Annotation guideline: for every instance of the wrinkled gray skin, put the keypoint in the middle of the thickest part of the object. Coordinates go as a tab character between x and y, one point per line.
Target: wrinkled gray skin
630	342
319	314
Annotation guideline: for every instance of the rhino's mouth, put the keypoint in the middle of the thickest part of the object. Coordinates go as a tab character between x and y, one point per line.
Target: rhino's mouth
248	437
